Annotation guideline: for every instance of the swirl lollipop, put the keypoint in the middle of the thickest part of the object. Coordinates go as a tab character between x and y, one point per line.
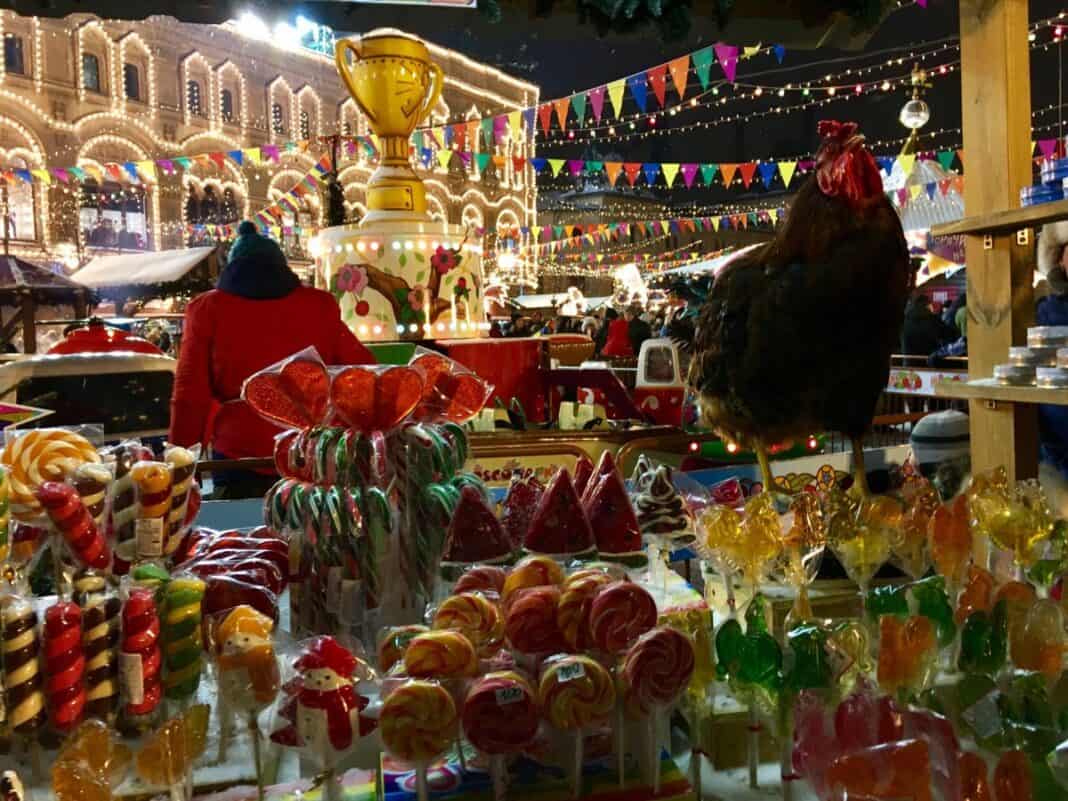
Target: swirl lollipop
418	722
532	571
573	610
530	624
394	642
654	673
573	692
471	614
620	613
440	655
500	717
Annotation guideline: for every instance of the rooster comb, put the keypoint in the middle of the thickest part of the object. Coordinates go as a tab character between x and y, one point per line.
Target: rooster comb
844	167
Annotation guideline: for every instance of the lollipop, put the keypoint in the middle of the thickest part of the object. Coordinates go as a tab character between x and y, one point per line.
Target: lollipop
573	692
168	755
91	482
22	679
517	511
804	543
183	464
418	722
909	542
100	637
40	455
662	514
559	526
182	646
532	571
907	650
394	642
1039	643
573	610
64	665
951	540
746	544
620	613
500	716
474	616
71	517
90	764
440	655
153	482
140	660
530	624
482	578
859	530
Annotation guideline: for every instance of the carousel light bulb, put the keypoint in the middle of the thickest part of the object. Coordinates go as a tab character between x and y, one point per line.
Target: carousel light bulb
915	114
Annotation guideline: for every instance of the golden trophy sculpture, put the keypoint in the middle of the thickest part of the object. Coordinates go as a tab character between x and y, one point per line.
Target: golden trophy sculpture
395	84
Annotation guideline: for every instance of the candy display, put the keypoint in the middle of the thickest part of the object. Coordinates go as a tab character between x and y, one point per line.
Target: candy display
475	535
40	455
573	608
620	613
152	482
393	642
519	504
500	716
24	696
559	526
100	638
531	571
72	518
531	623
662	513
611	516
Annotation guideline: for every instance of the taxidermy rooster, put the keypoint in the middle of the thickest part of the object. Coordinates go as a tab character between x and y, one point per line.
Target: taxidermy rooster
796	335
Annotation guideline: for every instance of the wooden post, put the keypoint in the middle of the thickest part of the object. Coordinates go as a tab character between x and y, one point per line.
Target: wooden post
29	324
996	113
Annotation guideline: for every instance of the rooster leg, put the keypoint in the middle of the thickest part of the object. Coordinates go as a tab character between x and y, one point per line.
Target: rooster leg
765	467
860	475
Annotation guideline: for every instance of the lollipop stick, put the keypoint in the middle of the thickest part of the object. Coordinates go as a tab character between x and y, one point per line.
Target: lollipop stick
786	764
754	744
498	776
620	744
257	757
421	790
654	748
35	761
332	788
576	767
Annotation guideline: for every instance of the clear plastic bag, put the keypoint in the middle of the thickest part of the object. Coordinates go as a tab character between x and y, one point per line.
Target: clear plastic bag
294	392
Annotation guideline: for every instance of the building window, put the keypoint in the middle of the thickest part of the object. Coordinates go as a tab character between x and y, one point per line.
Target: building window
192	98
277	121
13	56
226	105
346	128
20	221
305	125
91	73
114	216
131	81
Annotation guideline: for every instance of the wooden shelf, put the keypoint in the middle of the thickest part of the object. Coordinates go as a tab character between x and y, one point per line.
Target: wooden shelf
1005	222
989	389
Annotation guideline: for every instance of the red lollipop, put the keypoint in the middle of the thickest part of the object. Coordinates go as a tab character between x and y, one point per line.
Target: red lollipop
295	396
373	399
450	391
621	613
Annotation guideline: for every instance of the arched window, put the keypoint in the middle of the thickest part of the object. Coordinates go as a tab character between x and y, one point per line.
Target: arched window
346	128
21	220
277	120
305	125
229	207
226	105
91	73
14	60
131	81
114	216
192	98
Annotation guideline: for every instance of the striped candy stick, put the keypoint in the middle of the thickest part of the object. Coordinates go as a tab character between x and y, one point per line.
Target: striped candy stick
182	646
183	464
100	638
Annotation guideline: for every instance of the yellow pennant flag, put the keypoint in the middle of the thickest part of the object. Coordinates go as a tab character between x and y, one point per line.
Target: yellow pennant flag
253	155
749	52
774	214
670	171
444	157
147	169
907	163
515	122
786	170
556	165
615	94
715	223
915	190
94	171
42	175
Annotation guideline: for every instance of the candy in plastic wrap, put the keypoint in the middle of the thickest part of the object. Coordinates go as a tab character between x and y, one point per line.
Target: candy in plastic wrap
573	609
896	770
574	691
656	670
973	778
375	398
22	677
907	651
977	595
140	658
440	655
1040	643
747	543
909	542
294	392
170	751
620	613
531	621
418	721
951	540
1015	519
475	536
90	764
37	456
1013	779
531	571
983	641
522	498
859	530
559	526
473	615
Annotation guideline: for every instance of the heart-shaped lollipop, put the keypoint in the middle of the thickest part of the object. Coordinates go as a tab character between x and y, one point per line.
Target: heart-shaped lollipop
296	396
370	399
449	392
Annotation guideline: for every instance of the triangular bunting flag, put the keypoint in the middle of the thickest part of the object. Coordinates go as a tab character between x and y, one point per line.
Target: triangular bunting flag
482	160
658	80
545	115
748	170
538	164
631	169
780	52
915	190
578	102
749	52
611	169
237	156
528	121
575	166
727	55
556	165
596	97
679	68
670	171
708	173
907	162
786	170
689	171
562	105
638	89
594	167
651	170
931	187
615	96
518	163
515	125
767	171
702	65
727	172
945	158
943	186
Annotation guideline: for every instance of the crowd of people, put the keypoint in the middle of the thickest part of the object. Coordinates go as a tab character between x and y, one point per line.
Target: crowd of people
617	335
939	334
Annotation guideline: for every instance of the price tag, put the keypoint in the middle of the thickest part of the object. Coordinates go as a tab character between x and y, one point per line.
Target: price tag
570	672
131	678
509	695
149	534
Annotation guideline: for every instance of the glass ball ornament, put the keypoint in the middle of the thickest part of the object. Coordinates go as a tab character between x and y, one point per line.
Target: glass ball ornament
915	114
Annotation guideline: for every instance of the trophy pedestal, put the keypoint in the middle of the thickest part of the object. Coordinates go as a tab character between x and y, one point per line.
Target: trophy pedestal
392	282
395	194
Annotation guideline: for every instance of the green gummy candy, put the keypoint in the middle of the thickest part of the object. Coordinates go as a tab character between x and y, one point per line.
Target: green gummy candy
810	669
888	600
932	601
984	641
150	573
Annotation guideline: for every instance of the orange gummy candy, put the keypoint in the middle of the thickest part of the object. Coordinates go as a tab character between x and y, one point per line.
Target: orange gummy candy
978	594
951	539
1038	641
173	748
1012	777
89	764
973	783
907	650
891	770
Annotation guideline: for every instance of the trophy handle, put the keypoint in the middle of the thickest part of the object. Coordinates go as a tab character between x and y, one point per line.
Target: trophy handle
340	49
435	91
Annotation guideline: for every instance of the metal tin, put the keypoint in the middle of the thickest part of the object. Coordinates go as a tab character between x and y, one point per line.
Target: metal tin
1052	377
1038	356
1019	375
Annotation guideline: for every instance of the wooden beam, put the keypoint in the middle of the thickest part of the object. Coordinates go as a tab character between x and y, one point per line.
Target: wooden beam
996	114
29	325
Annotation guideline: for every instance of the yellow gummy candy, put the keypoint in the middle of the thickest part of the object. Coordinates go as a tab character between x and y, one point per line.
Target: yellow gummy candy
174	747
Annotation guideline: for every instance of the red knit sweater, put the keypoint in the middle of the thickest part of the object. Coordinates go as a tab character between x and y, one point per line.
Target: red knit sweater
226	339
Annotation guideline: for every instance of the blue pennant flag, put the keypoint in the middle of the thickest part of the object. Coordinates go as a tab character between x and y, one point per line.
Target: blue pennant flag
780	52
538	164
651	170
767	171
639	89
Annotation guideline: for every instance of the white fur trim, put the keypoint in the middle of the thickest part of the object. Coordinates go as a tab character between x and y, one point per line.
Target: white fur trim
1054	236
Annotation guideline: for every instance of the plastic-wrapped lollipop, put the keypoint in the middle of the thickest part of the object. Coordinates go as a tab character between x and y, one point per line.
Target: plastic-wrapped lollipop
620	613
440	655
22	678
500	717
573	609
1039	642
531	571
859	531
64	665
418	723
182	645
907	655
473	615
1015	519
393	642
951	541
482	578
166	758
573	692
909	542
655	671
247	673
745	544
530	624
803	546
100	638
140	658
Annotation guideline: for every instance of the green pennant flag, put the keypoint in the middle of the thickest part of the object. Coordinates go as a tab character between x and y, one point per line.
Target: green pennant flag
945	158
482	159
558	232
417	141
556	165
487	131
702	64
594	166
708	172
578	102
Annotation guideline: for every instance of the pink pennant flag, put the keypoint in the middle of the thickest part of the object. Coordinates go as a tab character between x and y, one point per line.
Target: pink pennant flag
1048	147
596	97
921	3
727	55
688	173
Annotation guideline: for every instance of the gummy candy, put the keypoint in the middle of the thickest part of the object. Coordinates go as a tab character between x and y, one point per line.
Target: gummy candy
171	751
906	654
895	770
951	539
805	539
90	763
1039	642
983	640
747	544
978	593
849	649
1012	777
910	540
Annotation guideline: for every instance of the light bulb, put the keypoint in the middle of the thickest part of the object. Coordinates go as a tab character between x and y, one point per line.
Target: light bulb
915	114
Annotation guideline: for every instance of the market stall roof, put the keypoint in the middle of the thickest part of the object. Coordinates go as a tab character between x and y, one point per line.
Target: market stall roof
711	265
138	269
19	278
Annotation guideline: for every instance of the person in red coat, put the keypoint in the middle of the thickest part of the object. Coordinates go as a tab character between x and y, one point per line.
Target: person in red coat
617	344
258	314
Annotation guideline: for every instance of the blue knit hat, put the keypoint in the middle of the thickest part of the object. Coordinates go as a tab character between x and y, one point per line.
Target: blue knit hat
252	245
256	267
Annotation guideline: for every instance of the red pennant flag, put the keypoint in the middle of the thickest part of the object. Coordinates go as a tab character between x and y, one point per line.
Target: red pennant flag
632	169
680	68
459	136
611	169
219	159
727	171
562	105
747	170
943	186
658	80
545	112
518	163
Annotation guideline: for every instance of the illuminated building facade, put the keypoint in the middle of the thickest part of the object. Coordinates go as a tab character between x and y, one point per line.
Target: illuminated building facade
82	91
